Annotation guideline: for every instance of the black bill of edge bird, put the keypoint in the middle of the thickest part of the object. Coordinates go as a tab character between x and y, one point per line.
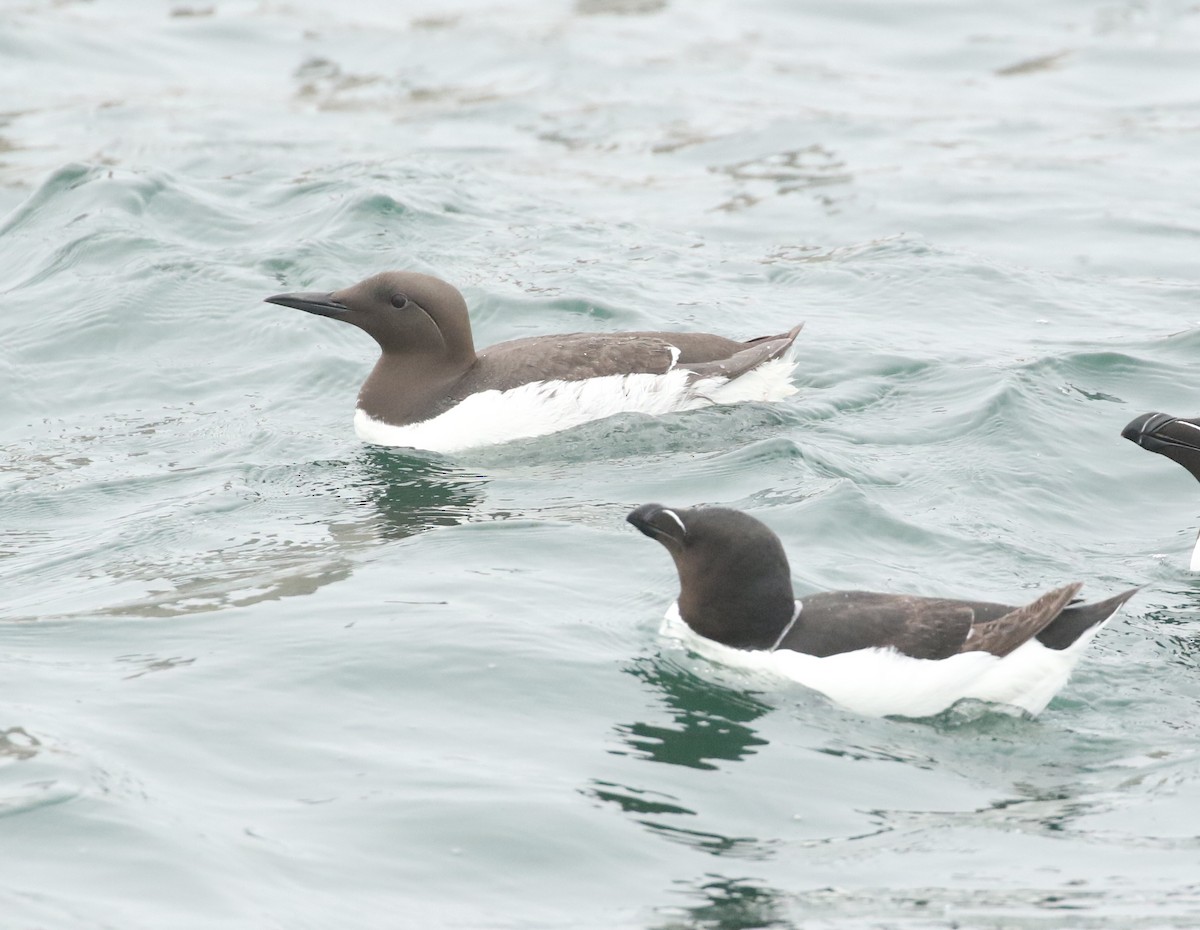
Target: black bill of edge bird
879	654
1176	438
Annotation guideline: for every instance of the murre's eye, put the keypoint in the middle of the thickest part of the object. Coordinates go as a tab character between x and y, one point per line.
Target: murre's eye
399	301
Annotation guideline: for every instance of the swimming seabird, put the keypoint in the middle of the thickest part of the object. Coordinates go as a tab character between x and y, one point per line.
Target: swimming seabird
430	389
879	654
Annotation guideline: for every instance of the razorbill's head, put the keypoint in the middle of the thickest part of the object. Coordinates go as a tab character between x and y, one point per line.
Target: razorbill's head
1176	438
735	586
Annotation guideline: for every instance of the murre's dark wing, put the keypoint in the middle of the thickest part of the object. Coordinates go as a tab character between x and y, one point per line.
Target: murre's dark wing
578	356
755	354
575	357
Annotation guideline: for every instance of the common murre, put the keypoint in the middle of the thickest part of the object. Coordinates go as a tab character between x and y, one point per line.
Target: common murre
878	654
1176	438
431	390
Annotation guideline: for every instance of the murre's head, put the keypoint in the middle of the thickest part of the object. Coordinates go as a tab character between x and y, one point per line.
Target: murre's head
1176	438
735	586
406	312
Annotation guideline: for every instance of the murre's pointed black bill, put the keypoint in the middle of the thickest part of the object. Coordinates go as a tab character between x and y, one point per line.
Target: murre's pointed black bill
311	302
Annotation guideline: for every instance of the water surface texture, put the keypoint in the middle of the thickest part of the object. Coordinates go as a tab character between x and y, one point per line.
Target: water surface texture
255	674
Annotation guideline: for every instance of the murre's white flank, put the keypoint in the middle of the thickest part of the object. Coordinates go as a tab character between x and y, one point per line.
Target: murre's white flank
430	389
543	407
878	654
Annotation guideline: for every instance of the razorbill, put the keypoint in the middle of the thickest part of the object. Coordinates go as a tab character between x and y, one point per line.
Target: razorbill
1176	438
430	389
878	654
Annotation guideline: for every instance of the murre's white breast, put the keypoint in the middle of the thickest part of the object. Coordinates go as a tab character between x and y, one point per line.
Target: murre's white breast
885	683
543	407
1195	564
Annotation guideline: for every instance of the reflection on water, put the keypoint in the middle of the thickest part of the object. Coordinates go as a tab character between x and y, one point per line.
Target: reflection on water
716	844
648	807
726	904
175	540
412	492
1049	810
709	720
981	904
18	743
709	724
742	903
635	800
252	571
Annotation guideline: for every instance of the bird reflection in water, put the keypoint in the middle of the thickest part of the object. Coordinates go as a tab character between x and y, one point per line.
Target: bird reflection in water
709	720
726	904
412	492
709	725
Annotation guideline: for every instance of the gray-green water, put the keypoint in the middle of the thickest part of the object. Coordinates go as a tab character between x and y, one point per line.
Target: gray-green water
254	674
